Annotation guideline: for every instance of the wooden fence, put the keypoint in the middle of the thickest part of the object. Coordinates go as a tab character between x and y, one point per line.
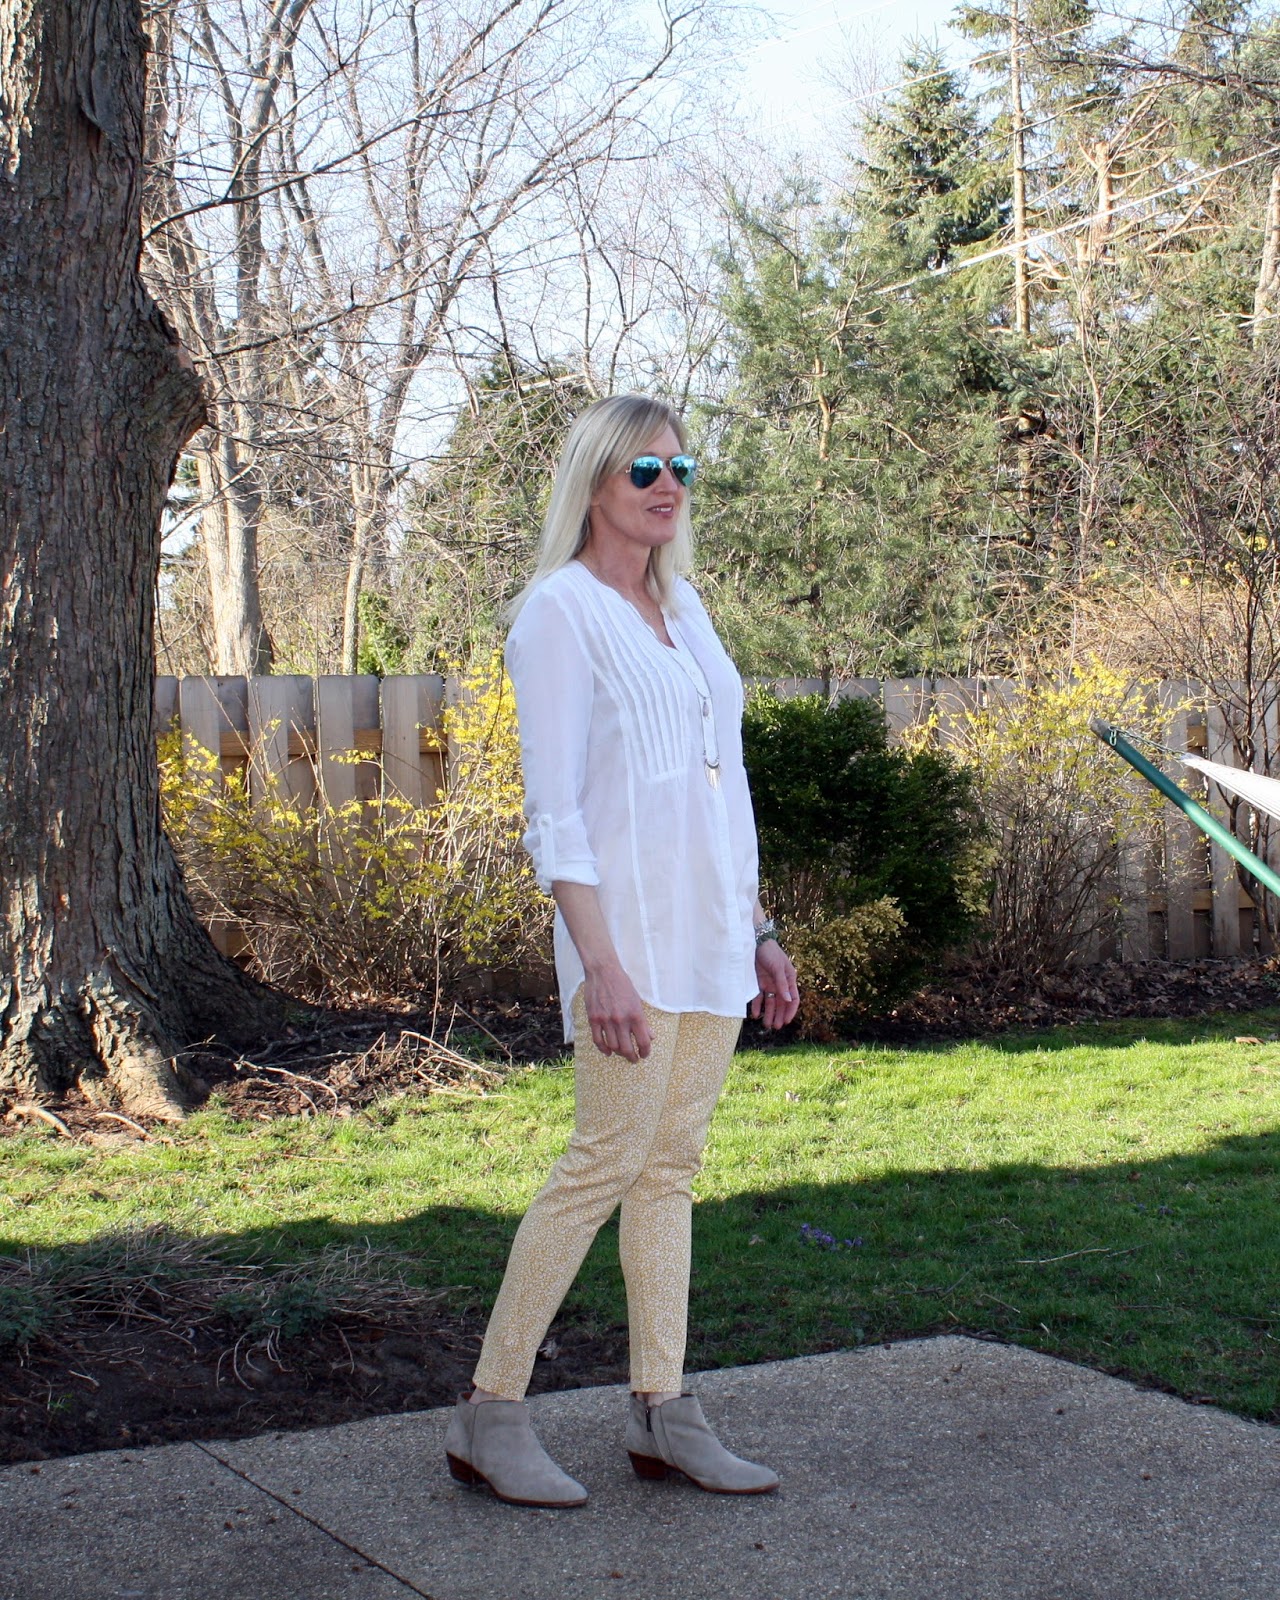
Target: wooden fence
301	733
1176	896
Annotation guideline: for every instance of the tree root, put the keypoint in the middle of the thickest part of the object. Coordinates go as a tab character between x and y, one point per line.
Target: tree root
132	1048
114	1027
45	1114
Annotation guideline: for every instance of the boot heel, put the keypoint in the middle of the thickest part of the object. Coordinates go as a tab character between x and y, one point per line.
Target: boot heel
463	1471
648	1466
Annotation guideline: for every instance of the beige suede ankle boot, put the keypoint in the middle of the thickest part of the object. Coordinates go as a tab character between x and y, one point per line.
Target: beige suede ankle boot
674	1438
493	1443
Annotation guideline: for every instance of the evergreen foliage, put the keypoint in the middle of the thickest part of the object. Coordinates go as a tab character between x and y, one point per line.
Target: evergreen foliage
848	822
931	173
474	518
851	463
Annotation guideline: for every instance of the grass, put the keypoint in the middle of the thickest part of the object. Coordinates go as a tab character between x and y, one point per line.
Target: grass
1106	1193
157	1275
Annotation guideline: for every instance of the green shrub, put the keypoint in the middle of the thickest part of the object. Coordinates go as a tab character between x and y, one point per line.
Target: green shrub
384	644
287	1306
1062	807
871	855
24	1313
157	1276
842	963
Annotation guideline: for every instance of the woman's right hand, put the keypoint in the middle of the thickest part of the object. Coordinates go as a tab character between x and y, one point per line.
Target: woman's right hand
615	1013
614	1009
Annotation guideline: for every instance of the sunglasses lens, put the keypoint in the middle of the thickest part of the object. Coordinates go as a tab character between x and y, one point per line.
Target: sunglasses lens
645	471
685	469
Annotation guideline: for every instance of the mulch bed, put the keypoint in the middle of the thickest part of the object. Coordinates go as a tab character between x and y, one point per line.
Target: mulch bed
107	1384
123	1388
971	1002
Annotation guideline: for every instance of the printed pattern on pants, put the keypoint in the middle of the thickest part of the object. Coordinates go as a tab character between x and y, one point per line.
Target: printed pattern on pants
639	1131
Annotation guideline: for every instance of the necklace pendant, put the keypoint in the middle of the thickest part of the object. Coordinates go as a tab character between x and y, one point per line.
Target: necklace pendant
713	773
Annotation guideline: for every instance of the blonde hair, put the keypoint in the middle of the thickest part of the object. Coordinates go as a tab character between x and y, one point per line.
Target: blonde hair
604	439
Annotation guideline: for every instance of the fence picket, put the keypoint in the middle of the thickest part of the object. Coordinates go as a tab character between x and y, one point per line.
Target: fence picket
858	689
281	717
790	688
401	769
202	715
954	700
1183	845
340	702
907	703
205	720
996	692
410	707
433	746
1224	877
165	705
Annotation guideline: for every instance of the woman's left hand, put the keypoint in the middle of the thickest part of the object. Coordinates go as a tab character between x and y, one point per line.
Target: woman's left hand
779	997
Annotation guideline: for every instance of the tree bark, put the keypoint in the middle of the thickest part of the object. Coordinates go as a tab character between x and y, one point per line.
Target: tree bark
229	535
1265	295
367	493
104	968
1018	138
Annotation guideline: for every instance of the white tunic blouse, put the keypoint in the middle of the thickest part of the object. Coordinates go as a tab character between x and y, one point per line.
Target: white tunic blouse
620	737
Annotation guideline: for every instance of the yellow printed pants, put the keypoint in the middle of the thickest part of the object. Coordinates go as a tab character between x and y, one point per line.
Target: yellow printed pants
638	1137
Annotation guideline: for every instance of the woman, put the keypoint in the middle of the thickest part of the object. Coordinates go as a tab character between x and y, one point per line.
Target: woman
640	825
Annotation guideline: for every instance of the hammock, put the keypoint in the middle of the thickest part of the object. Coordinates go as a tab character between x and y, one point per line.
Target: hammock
1263	794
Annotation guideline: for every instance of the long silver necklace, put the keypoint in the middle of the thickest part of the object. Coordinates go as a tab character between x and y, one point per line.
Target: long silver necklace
693	671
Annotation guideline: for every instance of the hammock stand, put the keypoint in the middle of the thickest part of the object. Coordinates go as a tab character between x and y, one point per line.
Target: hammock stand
1249	785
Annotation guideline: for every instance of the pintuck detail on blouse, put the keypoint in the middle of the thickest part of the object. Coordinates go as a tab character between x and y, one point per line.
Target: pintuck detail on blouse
634	783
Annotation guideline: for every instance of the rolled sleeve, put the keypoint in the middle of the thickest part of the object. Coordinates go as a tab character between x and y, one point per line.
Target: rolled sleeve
553	680
560	851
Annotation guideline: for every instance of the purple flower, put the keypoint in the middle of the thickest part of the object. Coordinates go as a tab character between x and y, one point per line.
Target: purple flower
809	1234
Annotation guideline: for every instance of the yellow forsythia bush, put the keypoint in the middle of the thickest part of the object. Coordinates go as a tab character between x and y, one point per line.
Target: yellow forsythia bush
377	898
1062	807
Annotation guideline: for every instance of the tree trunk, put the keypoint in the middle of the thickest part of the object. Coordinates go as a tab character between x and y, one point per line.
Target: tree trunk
368	486
1018	139
104	969
229	535
1092	246
1265	294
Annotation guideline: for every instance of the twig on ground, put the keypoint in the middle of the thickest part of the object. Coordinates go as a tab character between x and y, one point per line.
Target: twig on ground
27	1110
294	1077
443	1054
459	1011
351	1360
115	1116
995	1300
1094	1250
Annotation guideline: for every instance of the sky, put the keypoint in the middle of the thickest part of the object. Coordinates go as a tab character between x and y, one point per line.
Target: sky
793	75
787	75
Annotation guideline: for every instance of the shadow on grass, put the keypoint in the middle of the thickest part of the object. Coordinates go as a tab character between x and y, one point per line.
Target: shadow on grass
1166	1271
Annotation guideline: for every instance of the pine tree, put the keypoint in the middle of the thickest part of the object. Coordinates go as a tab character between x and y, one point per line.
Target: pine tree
474	517
849	485
930	172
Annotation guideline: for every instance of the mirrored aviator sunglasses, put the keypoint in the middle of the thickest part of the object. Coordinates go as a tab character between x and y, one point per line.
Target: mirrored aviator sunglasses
646	470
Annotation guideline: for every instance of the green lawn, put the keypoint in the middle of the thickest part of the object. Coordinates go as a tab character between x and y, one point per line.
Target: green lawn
1106	1193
